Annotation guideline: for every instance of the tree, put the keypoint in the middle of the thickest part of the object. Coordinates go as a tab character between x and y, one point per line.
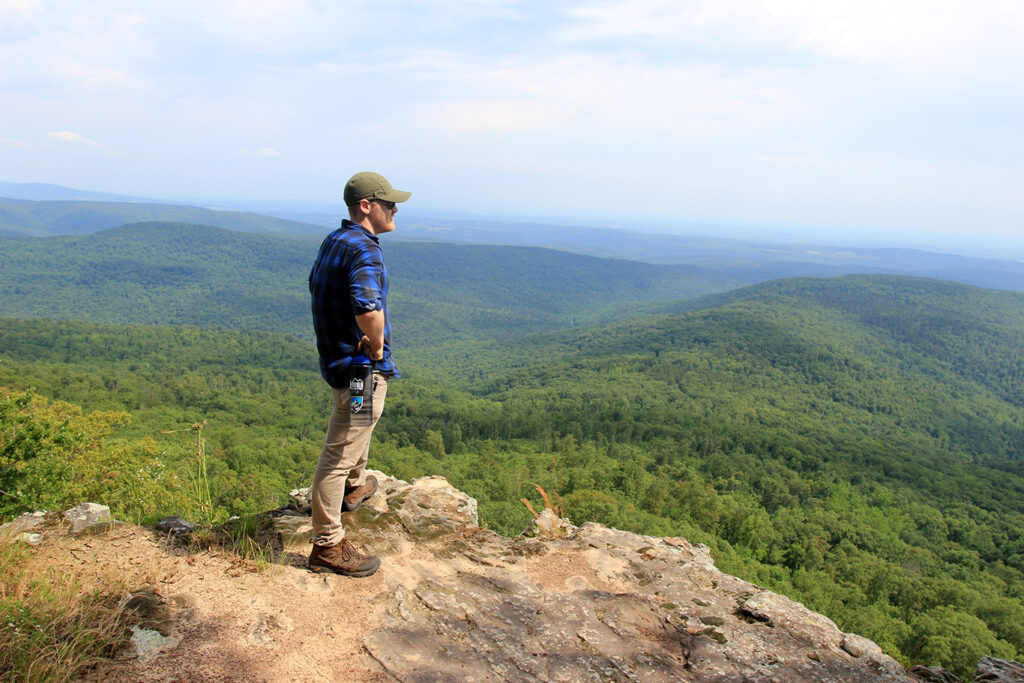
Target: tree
946	637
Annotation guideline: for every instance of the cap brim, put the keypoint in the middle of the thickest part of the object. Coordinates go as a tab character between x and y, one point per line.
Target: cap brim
396	196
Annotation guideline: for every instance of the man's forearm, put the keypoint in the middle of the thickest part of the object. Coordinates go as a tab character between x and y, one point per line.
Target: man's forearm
371	324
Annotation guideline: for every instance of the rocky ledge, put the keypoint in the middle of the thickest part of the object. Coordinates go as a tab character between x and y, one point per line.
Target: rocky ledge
597	604
456	602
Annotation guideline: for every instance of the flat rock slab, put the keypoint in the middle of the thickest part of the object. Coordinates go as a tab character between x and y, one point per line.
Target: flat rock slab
603	605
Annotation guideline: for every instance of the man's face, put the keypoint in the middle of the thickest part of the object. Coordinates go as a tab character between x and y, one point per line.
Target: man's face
381	216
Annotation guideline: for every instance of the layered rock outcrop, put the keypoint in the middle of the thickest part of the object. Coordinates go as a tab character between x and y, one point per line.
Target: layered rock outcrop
597	604
456	602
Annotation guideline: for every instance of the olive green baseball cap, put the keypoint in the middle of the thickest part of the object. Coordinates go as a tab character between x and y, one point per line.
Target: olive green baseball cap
367	185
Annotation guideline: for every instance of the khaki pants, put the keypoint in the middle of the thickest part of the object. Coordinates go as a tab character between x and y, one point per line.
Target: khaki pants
342	462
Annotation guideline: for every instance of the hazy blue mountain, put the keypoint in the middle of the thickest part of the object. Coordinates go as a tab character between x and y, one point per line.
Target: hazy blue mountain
42	218
737	261
758	259
48	191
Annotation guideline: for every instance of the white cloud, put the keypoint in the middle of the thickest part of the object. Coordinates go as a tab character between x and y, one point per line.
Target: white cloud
608	102
725	98
75	139
914	34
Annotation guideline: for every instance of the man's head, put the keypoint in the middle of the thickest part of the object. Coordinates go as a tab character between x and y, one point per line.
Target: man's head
371	201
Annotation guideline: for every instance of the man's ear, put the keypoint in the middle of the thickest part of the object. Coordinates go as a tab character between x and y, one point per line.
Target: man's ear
361	209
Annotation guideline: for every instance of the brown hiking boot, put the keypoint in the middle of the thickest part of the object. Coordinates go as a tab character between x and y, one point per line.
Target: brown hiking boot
342	559
355	497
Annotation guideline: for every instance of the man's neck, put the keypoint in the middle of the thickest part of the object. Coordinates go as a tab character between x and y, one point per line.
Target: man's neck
365	225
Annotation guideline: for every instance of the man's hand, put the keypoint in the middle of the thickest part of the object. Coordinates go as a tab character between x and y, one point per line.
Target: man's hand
372	326
366	348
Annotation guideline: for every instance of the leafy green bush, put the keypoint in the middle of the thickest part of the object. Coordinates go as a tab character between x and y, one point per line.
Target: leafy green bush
54	456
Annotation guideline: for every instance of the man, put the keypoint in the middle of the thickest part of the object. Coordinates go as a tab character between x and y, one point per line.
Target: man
349	289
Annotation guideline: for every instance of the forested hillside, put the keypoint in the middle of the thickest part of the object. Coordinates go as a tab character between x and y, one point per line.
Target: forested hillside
172	273
716	260
854	443
750	260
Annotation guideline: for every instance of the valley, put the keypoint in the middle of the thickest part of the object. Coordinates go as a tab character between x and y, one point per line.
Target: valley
853	442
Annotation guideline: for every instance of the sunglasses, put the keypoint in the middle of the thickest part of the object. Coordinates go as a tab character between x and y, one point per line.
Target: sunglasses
390	206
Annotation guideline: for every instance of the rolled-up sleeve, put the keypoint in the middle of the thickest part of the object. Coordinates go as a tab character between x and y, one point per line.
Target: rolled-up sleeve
366	292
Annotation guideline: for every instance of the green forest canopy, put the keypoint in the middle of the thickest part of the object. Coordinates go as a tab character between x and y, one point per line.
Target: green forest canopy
170	273
854	443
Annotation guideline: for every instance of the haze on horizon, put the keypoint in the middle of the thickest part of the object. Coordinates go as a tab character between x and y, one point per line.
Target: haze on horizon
851	120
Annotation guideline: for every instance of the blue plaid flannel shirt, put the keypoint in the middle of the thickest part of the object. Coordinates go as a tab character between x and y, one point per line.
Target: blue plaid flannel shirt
348	279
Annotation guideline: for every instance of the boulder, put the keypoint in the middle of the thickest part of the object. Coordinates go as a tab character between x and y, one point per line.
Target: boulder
816	630
29	520
992	670
430	506
859	646
295	531
175	526
88	517
301	497
549	525
600	605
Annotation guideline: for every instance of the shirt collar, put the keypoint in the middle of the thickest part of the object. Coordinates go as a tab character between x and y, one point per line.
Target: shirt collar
346	223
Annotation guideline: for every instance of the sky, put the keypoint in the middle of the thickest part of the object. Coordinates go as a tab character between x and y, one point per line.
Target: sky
842	120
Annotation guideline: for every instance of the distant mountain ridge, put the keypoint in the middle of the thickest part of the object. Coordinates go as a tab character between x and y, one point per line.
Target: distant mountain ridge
759	260
177	273
740	261
51	192
25	218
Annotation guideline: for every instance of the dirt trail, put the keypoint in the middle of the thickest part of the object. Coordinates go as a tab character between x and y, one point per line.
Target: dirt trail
234	620
237	621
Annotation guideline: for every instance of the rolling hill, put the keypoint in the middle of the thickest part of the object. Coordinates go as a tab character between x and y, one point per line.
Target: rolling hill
173	273
735	260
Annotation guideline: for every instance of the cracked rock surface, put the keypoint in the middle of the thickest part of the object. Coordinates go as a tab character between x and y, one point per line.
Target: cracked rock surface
455	602
605	605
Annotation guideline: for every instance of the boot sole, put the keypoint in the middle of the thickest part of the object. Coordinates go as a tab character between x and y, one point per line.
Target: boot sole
318	569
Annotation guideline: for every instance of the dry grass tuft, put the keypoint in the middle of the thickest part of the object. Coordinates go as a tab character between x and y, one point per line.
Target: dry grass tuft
551	527
56	625
249	543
